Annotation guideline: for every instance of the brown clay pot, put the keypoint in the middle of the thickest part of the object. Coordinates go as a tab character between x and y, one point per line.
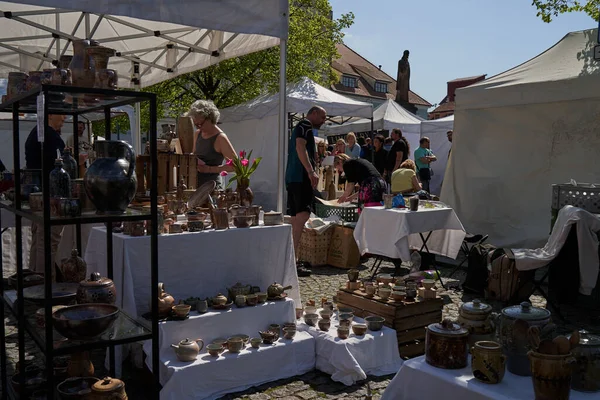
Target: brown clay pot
83	72
74	268
108	388
551	375
446	345
488	363
165	302
245	193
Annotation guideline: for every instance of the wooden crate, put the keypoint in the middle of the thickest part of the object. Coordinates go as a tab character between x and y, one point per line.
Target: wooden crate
409	319
186	167
314	248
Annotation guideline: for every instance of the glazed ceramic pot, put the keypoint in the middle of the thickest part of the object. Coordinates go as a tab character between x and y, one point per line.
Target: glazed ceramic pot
343	332
60	181
240	300
353	275
324	324
69	164
551	375
108	389
487	362
586	376
16	83
74	268
96	290
34	80
106	79
110	181
187	350
476	317
513	334
165	301
446	345
220	218
219	300
235	345
82	70
251	299
99	56
262	297
181	310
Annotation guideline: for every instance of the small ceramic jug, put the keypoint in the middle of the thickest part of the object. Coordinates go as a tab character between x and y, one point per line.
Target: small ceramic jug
487	362
202	306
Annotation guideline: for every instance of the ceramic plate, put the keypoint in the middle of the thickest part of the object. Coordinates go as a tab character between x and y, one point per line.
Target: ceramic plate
222	307
62	293
199	197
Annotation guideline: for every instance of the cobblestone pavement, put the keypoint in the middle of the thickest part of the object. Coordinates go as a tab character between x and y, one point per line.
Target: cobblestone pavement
324	282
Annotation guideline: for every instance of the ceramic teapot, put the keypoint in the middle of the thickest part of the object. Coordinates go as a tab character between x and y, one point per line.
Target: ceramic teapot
276	290
238	289
165	301
187	350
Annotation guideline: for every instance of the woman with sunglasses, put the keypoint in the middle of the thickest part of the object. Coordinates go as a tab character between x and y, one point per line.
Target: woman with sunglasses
211	145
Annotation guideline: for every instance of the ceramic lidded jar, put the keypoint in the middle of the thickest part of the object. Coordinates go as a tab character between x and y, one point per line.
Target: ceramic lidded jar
488	363
108	388
586	376
476	317
514	338
74	268
96	290
446	345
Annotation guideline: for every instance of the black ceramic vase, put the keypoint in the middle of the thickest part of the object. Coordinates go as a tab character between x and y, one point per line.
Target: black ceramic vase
60	181
69	164
110	181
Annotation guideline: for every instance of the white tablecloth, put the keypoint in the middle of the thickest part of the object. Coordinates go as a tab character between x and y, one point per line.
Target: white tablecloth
199	264
209	378
352	359
223	324
393	232
9	242
68	241
417	379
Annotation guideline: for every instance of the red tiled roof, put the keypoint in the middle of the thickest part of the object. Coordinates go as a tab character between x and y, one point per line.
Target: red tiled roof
469	78
444	107
354	64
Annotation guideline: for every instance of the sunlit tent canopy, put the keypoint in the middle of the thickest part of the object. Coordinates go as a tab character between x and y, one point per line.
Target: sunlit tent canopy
519	132
253	126
436	131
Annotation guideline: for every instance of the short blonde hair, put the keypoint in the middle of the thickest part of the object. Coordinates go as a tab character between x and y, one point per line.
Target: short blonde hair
340	141
351	135
341	159
409	164
206	109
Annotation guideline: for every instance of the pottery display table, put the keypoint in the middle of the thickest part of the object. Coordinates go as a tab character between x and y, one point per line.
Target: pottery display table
210	377
223	324
352	359
199	264
407	318
417	379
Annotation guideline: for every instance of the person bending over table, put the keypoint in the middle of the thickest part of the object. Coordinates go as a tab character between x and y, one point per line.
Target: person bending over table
361	172
211	145
404	179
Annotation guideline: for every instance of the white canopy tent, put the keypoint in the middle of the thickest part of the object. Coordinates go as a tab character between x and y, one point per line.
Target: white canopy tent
519	132
436	131
387	116
154	40
253	126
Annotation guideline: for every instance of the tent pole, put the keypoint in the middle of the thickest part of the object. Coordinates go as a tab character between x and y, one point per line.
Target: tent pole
372	144
137	132
282	145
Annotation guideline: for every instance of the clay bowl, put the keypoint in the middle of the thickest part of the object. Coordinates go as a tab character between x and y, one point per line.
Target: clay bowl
310	310
181	310
40	315
214	349
243	221
244	338
374	323
77	388
398	296
346	316
324	324
343	332
255	342
220	342
384	293
428	283
359	329
235	344
262	297
311	319
385	278
267	337
84	321
251	299
325	314
289	333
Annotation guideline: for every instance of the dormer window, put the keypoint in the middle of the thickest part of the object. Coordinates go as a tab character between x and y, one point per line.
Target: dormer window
349	81
381	87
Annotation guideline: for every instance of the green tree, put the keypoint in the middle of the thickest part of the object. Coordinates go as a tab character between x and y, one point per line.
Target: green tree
547	9
313	35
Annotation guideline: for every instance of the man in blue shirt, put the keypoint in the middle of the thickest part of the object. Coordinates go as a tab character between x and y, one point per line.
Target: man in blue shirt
423	159
300	175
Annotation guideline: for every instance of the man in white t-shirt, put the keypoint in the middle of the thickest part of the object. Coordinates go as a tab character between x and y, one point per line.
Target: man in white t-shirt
84	144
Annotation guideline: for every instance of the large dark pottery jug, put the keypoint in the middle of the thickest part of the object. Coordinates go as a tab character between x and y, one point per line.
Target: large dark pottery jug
110	181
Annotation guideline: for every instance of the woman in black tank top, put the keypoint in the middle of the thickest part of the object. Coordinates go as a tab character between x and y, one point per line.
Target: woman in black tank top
211	145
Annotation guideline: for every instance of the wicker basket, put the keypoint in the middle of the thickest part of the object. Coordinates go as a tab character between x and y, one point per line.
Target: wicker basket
314	247
347	214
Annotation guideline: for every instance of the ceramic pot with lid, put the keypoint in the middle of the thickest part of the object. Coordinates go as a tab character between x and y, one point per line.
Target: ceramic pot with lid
586	375
187	350
446	345
515	321
96	290
476	317
108	388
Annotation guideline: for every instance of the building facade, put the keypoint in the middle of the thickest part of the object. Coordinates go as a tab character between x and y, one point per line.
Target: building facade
446	106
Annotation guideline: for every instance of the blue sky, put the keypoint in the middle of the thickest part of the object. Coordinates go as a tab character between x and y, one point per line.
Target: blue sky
450	39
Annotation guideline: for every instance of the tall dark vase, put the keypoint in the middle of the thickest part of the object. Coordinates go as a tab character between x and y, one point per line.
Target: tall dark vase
244	192
110	181
69	164
60	181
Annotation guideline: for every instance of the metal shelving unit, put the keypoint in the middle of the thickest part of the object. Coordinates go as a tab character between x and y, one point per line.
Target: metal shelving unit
74	101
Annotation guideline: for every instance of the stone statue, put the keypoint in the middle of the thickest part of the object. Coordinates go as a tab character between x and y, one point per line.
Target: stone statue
403	80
